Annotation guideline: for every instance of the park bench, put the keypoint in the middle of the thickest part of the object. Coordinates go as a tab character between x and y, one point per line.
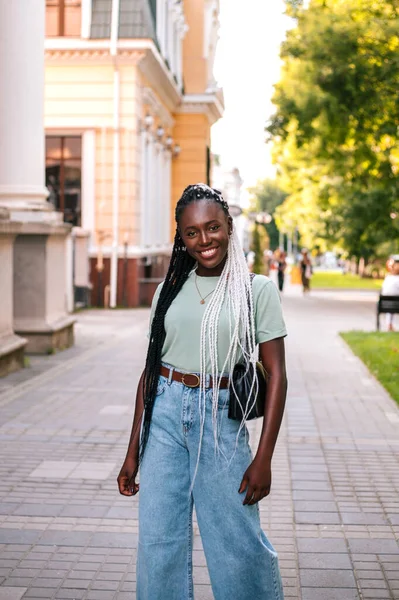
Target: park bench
387	304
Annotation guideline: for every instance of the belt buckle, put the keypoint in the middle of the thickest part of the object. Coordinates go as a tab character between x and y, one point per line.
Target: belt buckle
191	375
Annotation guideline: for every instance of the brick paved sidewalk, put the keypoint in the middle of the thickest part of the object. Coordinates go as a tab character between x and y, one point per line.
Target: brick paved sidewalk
333	514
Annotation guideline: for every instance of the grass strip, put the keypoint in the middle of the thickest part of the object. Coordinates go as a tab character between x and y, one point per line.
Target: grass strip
325	279
380	353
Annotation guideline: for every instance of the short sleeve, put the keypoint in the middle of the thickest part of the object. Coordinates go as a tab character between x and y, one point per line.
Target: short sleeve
153	307
269	321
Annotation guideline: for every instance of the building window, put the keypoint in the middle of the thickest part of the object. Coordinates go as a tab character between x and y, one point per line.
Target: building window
63	18
64	175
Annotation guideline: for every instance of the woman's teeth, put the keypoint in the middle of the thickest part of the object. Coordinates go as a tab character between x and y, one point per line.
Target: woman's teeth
208	253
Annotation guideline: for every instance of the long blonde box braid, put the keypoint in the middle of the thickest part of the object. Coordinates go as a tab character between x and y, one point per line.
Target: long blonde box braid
235	288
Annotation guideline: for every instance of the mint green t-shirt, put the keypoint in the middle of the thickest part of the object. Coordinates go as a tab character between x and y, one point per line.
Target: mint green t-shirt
184	317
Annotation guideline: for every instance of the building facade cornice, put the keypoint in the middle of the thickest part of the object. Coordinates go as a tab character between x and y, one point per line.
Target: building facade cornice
61	51
210	104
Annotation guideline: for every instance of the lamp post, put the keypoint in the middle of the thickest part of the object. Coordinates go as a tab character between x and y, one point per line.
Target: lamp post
148	121
125	267
263	217
100	269
160	132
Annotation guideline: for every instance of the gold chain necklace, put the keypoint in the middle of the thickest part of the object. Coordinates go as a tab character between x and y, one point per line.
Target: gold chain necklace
203	298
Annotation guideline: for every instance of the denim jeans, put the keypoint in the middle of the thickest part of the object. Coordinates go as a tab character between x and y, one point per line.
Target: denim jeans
241	561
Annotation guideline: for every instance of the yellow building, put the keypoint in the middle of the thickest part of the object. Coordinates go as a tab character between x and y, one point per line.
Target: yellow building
129	102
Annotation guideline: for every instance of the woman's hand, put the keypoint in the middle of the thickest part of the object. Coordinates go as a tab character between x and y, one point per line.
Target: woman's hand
257	480
127	476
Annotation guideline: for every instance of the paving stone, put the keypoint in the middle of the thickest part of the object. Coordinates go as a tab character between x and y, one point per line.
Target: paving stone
81	511
372	594
12	593
319	518
65	538
15	536
104	585
114	540
115	409
70	594
54	469
100	595
309	560
367	583
50	582
360	518
326	578
319	506
40	510
321	545
42	593
374	546
76	583
329	594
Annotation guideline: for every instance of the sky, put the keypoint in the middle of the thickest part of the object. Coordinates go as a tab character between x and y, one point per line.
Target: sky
247	65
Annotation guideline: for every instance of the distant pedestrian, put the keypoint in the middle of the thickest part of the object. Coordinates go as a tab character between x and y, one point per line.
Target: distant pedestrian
306	270
281	267
266	262
190	453
390	286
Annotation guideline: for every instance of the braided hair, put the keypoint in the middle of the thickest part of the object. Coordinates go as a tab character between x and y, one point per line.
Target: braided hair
180	266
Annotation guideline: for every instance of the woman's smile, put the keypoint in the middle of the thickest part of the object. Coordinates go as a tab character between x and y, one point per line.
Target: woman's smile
208	253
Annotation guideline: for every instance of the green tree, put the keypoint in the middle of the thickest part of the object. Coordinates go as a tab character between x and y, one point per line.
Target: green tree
266	197
258	246
335	132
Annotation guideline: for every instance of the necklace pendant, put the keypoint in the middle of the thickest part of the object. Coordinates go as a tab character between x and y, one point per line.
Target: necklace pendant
202	301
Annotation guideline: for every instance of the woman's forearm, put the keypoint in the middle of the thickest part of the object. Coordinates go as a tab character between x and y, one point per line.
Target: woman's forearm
274	410
134	442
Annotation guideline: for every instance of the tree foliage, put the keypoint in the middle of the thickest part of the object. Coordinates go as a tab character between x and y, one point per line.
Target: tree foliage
266	197
260	242
335	130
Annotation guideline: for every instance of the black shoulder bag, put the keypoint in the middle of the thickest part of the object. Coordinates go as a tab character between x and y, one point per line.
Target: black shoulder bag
240	390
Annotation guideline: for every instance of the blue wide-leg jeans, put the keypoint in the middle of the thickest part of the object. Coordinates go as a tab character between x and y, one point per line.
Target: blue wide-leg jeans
241	561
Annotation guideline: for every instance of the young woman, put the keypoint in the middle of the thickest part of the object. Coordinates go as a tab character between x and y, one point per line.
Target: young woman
190	452
390	286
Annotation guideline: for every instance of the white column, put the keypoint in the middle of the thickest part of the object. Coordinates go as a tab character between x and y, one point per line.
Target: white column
161	25
150	224
86	18
69	268
170	26
158	195
21	109
88	180
179	59
167	196
143	185
115	193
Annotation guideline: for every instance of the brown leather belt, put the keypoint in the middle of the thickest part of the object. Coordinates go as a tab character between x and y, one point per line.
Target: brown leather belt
191	379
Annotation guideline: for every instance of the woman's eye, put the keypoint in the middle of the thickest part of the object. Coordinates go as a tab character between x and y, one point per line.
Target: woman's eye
214	227
191	234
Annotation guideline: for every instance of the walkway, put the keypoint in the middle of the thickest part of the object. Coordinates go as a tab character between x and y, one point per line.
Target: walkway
333	514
